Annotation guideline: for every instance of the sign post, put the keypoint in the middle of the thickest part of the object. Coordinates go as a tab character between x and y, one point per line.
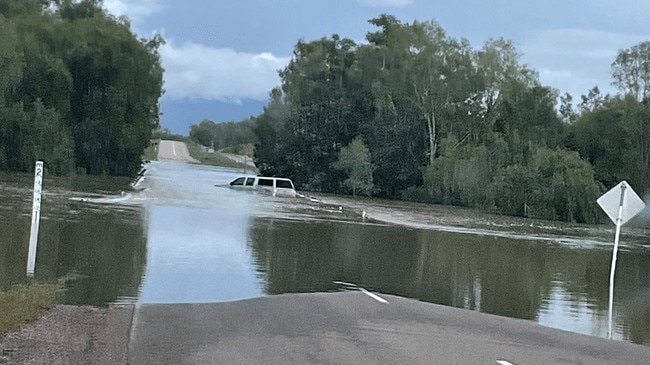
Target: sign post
621	204
36	217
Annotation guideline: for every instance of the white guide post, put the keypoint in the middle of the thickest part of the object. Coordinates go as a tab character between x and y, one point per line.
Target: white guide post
610	310
621	204
36	217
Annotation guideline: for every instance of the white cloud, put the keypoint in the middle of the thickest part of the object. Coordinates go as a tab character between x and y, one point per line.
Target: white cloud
576	60
387	3
199	71
135	10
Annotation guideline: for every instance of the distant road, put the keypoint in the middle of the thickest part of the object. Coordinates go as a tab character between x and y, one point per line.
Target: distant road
174	151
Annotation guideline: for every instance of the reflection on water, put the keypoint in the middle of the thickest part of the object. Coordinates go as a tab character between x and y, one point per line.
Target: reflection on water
103	247
197	256
188	238
556	286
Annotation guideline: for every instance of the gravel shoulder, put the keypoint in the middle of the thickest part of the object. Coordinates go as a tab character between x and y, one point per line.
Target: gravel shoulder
69	334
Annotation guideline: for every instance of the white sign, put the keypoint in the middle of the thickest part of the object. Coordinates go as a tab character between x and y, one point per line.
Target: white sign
621	195
621	204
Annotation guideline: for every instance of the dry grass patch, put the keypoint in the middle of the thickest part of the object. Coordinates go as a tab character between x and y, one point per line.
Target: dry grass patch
21	304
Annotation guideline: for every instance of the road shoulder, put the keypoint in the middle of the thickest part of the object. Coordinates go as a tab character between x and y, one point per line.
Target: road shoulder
69	334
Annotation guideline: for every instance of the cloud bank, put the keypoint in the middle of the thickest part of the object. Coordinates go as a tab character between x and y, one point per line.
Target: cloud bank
576	60
197	71
136	10
386	3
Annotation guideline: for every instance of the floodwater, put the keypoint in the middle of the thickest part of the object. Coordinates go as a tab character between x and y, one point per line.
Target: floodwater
188	237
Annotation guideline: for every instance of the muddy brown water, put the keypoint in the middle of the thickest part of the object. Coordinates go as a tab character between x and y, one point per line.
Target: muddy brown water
188	237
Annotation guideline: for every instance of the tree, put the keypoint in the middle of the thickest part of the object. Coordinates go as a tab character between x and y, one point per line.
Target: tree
117	81
92	81
354	160
435	71
326	107
631	71
567	113
203	132
592	101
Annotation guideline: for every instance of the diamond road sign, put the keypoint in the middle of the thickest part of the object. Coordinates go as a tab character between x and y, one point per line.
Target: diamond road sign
621	194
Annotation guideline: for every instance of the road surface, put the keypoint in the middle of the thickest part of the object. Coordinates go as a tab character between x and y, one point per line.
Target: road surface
356	328
174	151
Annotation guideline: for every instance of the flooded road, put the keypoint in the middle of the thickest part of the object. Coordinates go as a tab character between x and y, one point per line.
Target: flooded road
188	237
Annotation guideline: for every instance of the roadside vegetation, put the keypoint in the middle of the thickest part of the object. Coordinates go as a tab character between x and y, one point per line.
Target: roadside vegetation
151	152
415	114
21	304
214	158
78	89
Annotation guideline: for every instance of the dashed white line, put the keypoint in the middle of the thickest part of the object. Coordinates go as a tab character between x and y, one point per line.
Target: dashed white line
174	147
503	362
374	296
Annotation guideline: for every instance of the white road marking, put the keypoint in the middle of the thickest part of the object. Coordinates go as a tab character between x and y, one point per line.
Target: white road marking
344	283
503	362
374	296
174	147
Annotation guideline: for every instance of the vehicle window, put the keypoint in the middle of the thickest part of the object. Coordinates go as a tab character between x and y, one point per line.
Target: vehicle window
238	181
284	184
265	182
250	181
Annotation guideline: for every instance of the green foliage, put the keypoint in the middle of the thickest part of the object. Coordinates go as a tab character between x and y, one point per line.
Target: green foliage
615	139
631	71
556	184
166	134
222	135
77	88
450	124
354	160
215	158
458	176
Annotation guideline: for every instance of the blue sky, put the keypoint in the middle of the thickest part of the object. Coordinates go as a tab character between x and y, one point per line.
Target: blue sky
221	57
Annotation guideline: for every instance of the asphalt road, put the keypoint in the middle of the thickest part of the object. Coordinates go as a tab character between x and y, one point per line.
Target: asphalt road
355	328
174	151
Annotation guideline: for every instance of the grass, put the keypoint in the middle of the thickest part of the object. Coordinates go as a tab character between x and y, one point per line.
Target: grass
21	304
213	158
242	149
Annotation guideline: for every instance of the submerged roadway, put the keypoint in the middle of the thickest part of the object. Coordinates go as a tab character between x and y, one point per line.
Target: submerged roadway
352	327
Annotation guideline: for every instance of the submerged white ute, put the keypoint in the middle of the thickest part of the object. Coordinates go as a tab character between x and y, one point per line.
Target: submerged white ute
274	185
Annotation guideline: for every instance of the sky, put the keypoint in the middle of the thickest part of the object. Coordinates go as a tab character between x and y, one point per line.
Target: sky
221	58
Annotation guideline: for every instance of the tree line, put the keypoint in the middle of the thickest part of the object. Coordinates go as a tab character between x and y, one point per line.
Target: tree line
78	89
222	135
416	114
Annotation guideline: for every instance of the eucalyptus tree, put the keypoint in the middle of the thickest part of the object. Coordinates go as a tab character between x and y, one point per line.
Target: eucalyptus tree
631	71
498	66
324	96
434	72
593	100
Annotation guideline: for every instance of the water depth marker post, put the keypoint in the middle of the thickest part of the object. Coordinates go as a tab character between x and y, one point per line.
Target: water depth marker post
36	217
621	204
